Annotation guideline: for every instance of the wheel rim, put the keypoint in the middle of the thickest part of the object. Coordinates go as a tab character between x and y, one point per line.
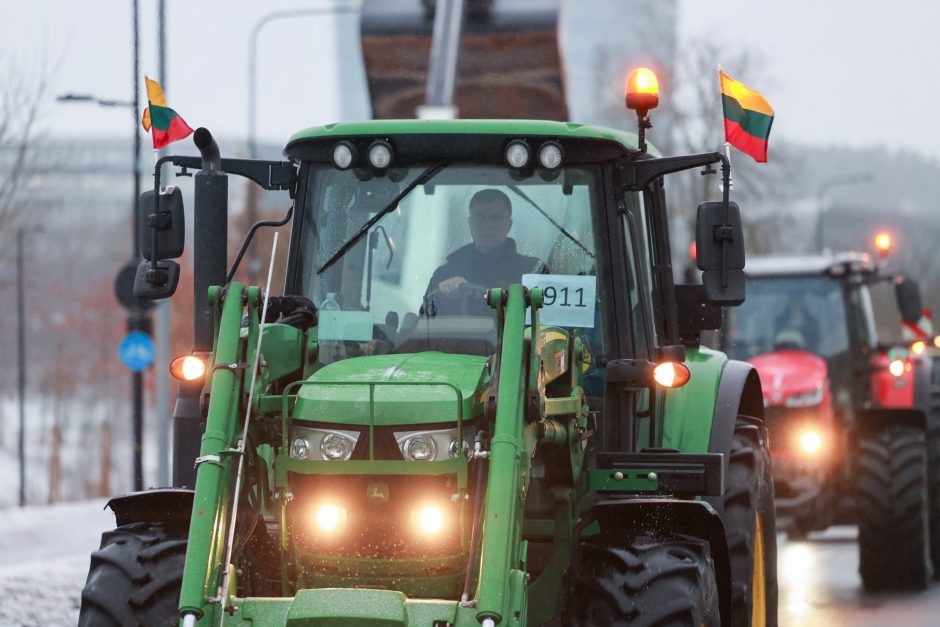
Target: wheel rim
758	580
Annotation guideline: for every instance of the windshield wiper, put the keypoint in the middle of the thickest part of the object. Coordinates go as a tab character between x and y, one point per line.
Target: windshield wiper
421	179
515	189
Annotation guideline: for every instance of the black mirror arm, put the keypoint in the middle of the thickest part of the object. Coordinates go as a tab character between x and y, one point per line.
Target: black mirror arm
636	174
723	233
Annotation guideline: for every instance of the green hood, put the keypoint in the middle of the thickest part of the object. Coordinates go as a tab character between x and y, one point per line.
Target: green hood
339	392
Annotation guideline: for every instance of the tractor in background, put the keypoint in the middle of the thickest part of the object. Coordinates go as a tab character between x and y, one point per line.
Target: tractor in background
855	430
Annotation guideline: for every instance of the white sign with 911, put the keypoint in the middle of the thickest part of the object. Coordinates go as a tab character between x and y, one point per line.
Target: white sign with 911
568	300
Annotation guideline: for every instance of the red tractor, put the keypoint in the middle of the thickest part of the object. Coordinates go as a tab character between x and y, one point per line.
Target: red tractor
854	431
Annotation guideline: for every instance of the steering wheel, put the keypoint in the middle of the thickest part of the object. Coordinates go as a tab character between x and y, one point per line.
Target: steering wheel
458	302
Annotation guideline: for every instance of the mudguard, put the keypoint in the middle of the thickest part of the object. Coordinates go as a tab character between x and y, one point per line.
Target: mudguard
169	505
693	518
739	393
924	381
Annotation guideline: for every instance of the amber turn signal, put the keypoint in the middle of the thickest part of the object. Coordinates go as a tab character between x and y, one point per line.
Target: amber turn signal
671	374
188	368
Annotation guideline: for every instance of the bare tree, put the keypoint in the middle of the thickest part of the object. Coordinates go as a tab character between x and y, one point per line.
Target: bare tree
24	87
762	190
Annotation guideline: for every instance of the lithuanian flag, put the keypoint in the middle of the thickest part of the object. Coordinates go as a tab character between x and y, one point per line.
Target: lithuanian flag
166	123
748	117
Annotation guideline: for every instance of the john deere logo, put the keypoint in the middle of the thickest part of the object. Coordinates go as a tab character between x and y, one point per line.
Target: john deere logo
377	493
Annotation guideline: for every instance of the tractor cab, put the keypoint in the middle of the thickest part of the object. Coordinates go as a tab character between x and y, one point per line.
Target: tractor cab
398	258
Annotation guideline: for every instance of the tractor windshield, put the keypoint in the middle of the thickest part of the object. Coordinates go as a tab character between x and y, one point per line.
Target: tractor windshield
409	275
796	313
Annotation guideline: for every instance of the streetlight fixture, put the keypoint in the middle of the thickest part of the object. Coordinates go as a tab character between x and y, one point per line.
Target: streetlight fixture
823	189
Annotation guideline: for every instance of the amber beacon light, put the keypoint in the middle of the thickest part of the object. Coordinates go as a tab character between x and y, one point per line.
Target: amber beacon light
642	93
883	243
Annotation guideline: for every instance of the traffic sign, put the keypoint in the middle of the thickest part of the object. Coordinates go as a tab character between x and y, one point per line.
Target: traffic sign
136	351
124	288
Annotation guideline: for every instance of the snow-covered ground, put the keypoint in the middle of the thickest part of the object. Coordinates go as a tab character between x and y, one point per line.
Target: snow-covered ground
44	557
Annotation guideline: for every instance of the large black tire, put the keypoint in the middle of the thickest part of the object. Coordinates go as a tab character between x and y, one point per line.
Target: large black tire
893	509
750	523
135	577
646	583
933	461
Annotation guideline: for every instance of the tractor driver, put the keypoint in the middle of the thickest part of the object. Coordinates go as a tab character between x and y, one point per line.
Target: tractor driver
797	328
490	260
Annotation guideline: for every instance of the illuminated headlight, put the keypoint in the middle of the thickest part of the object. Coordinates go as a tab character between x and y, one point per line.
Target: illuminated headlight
810	442
517	154
380	155
424	446
550	155
896	367
805	399
428	520
343	154
332	444
330	518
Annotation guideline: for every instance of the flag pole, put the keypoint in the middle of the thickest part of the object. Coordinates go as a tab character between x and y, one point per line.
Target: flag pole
730	171
727	146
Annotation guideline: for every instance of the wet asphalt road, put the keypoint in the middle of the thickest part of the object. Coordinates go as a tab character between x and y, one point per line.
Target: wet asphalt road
820	586
44	555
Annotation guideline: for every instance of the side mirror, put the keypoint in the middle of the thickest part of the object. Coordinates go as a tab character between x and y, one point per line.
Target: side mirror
719	242
166	220
156	283
907	293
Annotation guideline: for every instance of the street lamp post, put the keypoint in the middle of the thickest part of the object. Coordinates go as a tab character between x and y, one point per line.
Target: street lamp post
823	189
21	358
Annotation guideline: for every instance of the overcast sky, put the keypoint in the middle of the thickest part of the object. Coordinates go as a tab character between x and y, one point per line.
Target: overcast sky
839	71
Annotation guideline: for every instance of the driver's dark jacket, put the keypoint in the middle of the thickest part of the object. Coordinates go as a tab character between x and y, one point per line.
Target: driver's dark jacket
497	268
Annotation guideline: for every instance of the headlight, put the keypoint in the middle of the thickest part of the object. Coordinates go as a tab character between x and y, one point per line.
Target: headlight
805	399
299	448
336	446
428	520
331	444
896	367
810	442
330	518
423	446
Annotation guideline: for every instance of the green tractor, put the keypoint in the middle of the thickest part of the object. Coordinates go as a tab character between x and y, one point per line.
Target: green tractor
397	441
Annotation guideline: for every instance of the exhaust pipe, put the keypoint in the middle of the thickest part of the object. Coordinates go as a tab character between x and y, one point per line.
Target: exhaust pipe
210	267
209	149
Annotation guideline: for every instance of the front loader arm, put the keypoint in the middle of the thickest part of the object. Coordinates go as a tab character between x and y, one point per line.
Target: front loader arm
215	466
502	582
